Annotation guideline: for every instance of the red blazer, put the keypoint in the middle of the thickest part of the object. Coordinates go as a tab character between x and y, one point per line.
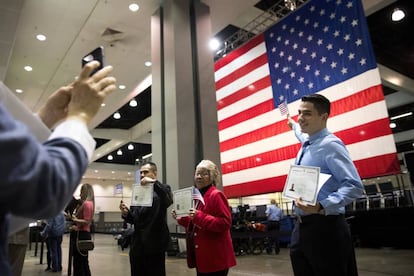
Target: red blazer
213	246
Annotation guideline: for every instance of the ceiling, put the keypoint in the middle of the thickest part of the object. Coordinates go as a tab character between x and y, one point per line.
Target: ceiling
75	27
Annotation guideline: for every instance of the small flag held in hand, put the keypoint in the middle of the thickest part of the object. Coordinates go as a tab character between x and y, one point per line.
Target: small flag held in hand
283	108
197	197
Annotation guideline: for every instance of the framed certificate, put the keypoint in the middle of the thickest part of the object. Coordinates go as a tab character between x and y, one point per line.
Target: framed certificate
142	195
302	181
183	201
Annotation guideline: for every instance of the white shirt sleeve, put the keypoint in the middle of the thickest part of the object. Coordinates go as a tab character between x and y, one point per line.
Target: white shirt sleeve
78	131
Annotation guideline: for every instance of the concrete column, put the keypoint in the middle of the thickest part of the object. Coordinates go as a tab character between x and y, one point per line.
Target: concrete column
184	117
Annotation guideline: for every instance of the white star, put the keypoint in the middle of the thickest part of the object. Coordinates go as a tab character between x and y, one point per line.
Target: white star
333	65
295	92
295	46
343	19
298	62
347	37
349	5
281	54
304	50
276	65
313	55
320	42
301	79
354	23
279	81
329	47
306	22
323	60
340	52
363	61
287	42
332	16
310	38
336	33
310	85
307	67
300	34
287	86
289	58
351	56
322	12
358	42
317	73
344	71
292	30
325	29
292	75
315	25
273	49
327	78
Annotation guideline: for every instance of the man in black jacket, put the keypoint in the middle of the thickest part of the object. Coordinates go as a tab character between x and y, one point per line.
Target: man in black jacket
151	236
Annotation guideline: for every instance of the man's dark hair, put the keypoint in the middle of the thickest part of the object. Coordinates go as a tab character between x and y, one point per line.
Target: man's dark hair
321	103
152	164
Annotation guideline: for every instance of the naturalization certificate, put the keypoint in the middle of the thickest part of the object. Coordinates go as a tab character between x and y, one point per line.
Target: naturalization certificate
304	182
142	194
183	201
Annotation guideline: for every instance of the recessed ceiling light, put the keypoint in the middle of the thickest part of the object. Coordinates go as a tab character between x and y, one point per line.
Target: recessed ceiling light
130	146
110	157
134	7
103	104
148	63
117	115
393	125
28	68
121	86
133	103
19	91
41	37
397	15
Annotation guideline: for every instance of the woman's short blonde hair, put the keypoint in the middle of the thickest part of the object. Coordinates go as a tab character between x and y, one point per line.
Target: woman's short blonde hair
212	169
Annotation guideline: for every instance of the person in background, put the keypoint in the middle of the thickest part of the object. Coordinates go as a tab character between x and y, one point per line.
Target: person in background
17	250
209	244
321	242
81	229
274	214
151	236
38	179
53	232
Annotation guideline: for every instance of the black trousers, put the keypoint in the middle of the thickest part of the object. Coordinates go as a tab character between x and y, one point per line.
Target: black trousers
80	261
216	273
322	246
147	265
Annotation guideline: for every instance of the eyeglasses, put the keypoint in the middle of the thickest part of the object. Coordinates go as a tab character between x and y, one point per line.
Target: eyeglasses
202	174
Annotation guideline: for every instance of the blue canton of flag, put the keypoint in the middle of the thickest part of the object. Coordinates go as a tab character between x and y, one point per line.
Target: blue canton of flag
321	44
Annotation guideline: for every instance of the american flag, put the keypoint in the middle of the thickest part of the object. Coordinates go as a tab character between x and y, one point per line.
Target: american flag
197	197
323	47
283	108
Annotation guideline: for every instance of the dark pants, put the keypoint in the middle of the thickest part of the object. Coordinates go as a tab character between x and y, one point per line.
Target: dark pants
147	265
55	249
273	228
322	246
217	273
80	259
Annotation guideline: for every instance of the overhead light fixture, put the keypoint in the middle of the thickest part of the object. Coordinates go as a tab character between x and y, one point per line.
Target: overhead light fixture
117	115
41	37
134	7
290	4
28	68
19	91
119	152
121	86
133	103
401	116
393	125
397	15
110	157
214	44
130	146
148	63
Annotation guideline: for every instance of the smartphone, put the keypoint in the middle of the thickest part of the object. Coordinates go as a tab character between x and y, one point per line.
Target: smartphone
96	54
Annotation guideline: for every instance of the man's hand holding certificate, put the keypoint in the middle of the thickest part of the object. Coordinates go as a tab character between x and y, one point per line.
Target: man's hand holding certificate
304	182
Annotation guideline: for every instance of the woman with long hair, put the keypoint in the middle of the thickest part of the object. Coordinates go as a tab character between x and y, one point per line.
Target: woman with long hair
81	230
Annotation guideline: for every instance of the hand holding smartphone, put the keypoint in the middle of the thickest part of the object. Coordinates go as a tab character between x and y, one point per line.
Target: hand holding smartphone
96	54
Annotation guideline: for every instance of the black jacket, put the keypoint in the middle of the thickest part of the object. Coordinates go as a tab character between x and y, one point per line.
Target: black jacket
151	235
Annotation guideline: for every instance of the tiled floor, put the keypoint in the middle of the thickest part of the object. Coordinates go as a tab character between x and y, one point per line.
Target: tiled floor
109	259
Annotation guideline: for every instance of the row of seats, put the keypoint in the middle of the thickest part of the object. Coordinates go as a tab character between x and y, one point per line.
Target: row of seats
382	195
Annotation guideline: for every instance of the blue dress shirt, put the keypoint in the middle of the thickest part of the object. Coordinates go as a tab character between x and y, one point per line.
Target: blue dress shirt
329	153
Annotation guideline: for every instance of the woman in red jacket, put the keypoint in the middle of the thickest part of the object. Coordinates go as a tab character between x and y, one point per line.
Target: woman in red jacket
209	245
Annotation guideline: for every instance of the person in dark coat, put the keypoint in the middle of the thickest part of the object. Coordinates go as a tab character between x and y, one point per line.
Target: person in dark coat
151	235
